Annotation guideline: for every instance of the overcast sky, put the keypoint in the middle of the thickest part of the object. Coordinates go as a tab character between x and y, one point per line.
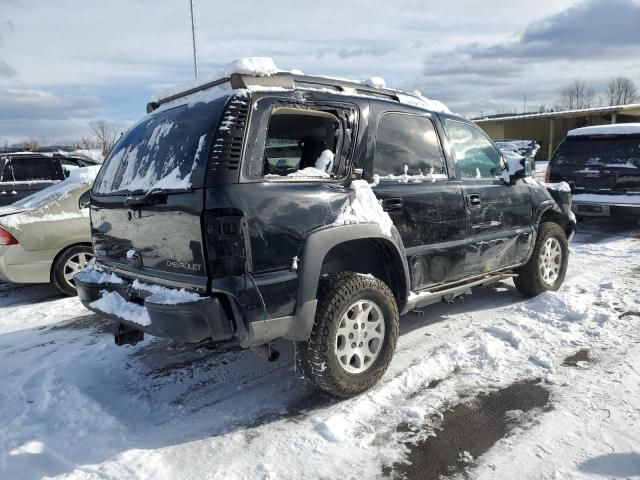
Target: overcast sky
64	63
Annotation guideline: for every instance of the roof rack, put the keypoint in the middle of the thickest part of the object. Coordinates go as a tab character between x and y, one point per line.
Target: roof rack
290	81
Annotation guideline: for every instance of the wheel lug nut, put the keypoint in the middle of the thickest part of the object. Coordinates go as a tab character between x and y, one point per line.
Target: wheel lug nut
360	344
365	334
353	345
355	326
362	326
351	335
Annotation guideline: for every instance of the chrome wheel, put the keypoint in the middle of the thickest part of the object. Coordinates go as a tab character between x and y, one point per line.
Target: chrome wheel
73	265
360	336
550	261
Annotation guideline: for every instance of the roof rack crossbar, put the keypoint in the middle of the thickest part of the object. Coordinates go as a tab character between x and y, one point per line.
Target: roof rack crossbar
286	80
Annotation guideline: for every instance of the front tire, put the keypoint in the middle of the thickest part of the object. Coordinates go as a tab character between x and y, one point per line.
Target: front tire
547	267
68	263
354	334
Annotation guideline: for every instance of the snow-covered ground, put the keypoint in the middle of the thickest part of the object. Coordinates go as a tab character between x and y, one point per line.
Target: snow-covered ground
74	405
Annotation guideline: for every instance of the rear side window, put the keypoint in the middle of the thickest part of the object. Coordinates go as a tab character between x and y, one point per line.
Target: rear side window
29	169
407	140
600	151
301	143
476	157
166	150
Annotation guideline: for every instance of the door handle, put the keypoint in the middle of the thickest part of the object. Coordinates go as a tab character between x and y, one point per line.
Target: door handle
474	200
392	205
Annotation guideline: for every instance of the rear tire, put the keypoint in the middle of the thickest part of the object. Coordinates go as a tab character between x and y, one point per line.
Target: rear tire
68	263
547	267
341	356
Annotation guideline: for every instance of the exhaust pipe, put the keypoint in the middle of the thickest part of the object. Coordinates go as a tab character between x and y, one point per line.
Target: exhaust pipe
266	352
127	335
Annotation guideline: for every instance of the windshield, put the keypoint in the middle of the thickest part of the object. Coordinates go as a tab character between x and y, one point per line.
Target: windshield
601	151
166	150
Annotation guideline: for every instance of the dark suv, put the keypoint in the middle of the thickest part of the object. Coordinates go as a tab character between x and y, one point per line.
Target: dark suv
22	174
293	207
602	166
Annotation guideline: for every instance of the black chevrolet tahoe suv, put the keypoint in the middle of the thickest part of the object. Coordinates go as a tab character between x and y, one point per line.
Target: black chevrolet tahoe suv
252	209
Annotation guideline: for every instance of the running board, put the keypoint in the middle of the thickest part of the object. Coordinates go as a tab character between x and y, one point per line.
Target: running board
424	298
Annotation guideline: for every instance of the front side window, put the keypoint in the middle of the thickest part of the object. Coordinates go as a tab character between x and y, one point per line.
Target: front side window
407	144
476	157
301	143
30	169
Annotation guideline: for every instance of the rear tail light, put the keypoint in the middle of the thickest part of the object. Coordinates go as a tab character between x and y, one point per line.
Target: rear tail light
6	238
547	174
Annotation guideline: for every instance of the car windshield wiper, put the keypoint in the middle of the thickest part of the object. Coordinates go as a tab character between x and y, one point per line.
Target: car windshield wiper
154	192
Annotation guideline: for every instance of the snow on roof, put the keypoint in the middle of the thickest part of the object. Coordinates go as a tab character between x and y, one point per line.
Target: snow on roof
375	82
613	129
256	66
264	67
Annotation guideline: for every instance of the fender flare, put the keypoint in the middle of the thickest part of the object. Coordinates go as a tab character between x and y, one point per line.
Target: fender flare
316	247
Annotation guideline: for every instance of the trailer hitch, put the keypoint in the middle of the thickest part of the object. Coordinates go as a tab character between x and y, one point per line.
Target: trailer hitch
127	335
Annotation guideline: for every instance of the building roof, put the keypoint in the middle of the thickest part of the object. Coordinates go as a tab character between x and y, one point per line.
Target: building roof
614	129
635	107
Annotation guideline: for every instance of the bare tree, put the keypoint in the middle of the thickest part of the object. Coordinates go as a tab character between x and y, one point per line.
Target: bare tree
621	91
106	135
88	143
576	96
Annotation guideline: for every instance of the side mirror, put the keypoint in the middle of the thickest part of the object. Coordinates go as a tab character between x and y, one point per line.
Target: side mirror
520	167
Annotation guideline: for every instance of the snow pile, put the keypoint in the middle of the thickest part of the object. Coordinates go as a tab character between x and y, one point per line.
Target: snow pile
611	129
325	161
322	168
146	411
309	172
256	66
94	154
95	274
165	296
375	82
364	208
113	304
430	104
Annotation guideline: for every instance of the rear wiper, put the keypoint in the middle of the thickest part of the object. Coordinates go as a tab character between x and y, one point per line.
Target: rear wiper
154	192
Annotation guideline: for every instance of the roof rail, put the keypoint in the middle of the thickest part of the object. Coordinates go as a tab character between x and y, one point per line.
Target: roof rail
288	80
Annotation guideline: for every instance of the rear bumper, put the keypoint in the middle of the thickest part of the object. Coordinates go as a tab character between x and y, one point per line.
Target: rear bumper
217	317
189	322
605	209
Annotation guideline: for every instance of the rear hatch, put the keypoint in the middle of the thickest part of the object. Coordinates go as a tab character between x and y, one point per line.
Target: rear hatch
606	164
147	201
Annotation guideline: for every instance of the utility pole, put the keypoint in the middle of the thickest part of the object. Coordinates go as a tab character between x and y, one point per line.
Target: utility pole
524	104
193	35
